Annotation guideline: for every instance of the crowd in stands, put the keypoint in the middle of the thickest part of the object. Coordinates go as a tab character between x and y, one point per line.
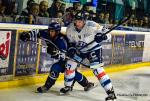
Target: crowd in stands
63	14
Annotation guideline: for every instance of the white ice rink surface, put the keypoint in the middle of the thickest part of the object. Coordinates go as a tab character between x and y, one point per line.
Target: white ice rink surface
127	85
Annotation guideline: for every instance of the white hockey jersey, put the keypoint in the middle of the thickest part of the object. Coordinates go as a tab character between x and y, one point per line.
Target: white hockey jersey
85	36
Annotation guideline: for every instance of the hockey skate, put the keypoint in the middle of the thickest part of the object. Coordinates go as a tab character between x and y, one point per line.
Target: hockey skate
89	86
42	89
65	90
111	96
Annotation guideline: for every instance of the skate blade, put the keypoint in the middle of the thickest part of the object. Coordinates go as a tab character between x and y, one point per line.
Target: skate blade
112	100
63	94
96	85
40	92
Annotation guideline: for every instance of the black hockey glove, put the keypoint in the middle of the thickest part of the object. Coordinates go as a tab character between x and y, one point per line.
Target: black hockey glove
56	54
71	51
25	36
99	37
52	51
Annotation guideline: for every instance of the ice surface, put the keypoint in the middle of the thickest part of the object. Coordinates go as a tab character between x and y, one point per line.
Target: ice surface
127	85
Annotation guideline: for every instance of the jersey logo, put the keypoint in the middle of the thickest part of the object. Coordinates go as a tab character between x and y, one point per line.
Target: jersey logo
81	44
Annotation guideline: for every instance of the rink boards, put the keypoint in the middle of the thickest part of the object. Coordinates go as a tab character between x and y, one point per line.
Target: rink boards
27	63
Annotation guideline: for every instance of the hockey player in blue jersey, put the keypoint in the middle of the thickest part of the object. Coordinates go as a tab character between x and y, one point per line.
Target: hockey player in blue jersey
80	33
53	34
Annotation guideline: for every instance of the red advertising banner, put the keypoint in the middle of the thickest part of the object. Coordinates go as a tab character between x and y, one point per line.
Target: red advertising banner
5	41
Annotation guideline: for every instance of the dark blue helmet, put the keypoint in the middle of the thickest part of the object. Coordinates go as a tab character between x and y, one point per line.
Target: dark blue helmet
80	16
54	26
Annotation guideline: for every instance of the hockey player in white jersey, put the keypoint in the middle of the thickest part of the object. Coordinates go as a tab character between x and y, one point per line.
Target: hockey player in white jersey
80	33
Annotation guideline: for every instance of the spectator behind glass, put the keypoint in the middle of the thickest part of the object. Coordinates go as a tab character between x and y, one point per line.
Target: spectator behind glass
33	13
68	16
86	7
25	12
63	7
106	18
76	6
13	10
145	22
130	22
34	9
100	18
55	7
2	10
92	16
135	22
59	15
43	9
1	3
140	22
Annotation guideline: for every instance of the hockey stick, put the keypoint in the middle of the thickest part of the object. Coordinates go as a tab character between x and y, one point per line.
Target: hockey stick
65	52
122	22
62	51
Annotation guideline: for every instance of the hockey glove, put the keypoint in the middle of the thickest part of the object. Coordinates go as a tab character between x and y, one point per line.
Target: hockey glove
71	51
25	36
99	37
52	51
56	54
